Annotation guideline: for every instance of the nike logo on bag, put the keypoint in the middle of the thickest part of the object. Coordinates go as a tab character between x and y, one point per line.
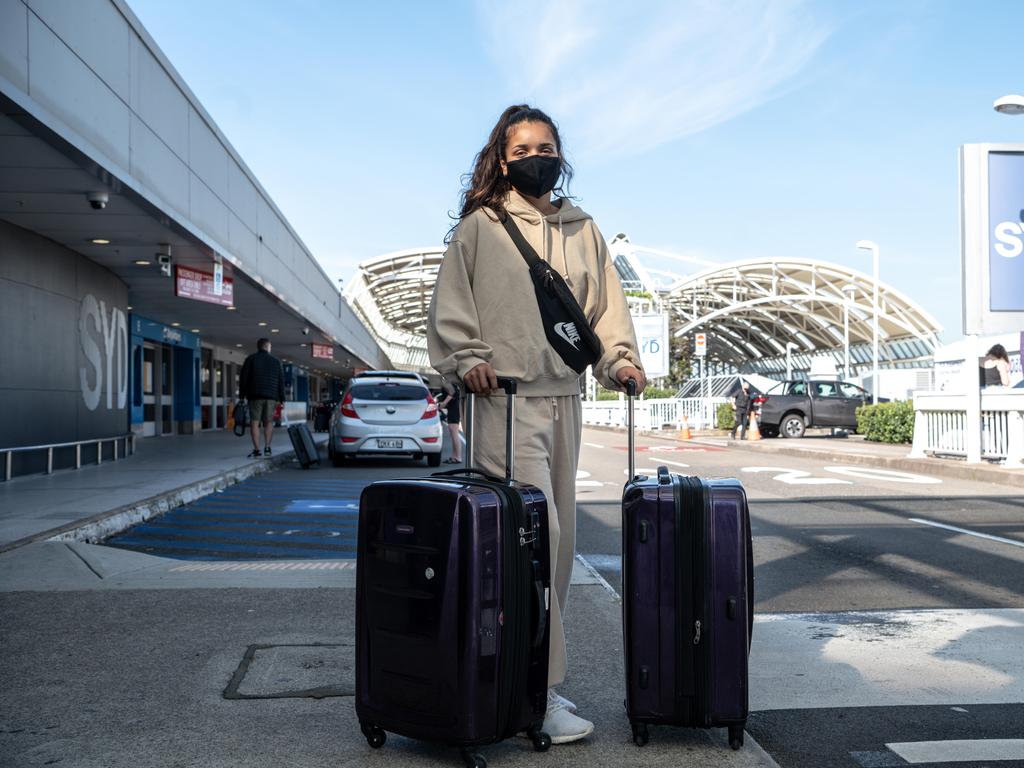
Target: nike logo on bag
568	332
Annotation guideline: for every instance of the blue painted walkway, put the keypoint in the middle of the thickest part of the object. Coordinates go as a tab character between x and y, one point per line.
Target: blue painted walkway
259	519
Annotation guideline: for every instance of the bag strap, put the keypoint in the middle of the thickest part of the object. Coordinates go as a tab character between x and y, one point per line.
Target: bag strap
525	249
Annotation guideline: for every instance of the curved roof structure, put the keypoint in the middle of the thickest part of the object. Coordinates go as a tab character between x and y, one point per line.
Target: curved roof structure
752	311
391	294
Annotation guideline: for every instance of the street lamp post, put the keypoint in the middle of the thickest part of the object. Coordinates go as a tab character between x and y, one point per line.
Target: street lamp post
848	290
1009	105
868	245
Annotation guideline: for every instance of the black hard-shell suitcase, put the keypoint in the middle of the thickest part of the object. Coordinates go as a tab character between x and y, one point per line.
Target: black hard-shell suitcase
452	606
688	601
302	441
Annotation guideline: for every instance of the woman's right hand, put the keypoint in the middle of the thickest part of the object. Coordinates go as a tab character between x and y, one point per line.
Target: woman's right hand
481	380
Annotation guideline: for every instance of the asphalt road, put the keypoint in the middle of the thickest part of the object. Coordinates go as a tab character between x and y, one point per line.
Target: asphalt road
852	659
890	607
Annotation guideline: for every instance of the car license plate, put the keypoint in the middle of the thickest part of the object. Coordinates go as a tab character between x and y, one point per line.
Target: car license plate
389	444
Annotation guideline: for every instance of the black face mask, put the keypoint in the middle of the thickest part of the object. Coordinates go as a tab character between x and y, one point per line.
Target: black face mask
536	175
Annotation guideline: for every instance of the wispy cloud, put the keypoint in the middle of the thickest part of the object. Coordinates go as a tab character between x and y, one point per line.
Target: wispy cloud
629	77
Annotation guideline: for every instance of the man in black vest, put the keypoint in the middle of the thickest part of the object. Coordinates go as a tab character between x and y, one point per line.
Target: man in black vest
741	404
262	384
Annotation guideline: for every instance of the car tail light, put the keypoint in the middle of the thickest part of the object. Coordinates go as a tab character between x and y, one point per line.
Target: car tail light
430	439
347	409
760	399
349	439
431	411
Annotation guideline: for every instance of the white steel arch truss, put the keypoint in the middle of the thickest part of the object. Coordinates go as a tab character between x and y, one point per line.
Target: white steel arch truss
762	306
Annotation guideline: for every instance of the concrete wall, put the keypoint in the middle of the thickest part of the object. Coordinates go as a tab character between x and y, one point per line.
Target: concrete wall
63	345
88	70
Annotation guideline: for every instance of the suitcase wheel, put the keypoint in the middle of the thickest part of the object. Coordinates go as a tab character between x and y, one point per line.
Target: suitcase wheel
473	760
541	741
735	736
640	734
375	736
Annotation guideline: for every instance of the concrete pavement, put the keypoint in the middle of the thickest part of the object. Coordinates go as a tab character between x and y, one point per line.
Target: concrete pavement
115	658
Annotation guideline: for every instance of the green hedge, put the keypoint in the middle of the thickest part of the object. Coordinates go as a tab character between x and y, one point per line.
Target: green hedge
887	422
726	416
649	394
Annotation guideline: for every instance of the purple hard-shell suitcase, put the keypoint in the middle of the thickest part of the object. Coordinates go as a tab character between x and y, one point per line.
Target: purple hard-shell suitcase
688	597
452	607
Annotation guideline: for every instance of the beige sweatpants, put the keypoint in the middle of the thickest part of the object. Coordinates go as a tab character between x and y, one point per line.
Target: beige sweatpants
548	433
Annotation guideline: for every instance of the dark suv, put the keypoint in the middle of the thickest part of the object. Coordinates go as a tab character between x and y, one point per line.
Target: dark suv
790	407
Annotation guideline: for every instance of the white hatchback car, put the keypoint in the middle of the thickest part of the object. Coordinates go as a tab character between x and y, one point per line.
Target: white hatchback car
385	415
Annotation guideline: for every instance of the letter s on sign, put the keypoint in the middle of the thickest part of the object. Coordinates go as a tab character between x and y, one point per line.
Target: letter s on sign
90	316
1011	243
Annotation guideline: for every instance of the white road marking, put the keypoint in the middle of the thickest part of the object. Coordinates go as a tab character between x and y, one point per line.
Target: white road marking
642	471
886	658
673	463
592	572
312	565
593	445
605	562
959	750
990	537
796	476
588	483
884	474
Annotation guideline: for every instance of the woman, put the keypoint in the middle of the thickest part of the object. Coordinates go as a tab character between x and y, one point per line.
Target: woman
484	322
995	368
451	403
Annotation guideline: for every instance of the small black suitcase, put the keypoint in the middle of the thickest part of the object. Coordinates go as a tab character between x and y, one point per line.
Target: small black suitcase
305	449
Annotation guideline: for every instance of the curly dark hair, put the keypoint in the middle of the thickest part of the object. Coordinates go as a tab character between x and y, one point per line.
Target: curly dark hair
486	186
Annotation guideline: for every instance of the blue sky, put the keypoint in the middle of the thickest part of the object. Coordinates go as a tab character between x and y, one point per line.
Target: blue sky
723	130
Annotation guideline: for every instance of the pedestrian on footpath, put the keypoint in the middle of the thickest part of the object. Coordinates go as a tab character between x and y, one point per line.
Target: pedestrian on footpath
741	404
994	370
262	384
484	321
453	412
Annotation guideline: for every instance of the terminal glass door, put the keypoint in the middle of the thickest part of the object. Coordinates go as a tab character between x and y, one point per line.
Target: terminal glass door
166	366
149	353
220	409
206	405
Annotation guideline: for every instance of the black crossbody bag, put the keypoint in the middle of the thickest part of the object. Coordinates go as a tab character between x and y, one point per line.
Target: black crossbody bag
566	327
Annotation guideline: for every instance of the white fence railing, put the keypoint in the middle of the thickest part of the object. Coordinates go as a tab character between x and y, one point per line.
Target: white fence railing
941	426
668	413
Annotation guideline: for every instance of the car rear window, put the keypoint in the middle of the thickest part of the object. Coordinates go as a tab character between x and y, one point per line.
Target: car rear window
391	392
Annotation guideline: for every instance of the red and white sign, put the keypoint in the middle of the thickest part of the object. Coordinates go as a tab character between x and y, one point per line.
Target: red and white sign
191	283
700	344
323	351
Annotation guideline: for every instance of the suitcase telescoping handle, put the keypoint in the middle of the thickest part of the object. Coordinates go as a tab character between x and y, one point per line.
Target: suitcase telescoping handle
508	384
631	439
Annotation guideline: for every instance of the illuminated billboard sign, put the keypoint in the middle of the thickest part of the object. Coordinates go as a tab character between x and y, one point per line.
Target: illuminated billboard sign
992	232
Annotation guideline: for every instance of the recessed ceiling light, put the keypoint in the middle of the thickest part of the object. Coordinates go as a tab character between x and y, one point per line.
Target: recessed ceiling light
143	262
238	345
261	323
274	330
129	307
99	241
175	325
303	344
195	330
232	308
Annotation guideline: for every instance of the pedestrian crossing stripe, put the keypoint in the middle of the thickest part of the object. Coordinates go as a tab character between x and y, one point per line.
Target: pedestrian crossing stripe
264	565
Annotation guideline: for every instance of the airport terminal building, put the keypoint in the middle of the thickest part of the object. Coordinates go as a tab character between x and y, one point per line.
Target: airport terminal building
140	259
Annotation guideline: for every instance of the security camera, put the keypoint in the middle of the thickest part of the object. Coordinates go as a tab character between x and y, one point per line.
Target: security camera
98	200
305	331
163	258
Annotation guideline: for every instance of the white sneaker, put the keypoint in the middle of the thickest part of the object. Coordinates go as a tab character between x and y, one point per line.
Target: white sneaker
561	724
562	700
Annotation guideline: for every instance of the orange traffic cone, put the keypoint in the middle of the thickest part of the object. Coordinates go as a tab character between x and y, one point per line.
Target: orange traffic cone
684	433
753	433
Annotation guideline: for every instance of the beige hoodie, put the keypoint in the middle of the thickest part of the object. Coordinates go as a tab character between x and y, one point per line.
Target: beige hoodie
484	308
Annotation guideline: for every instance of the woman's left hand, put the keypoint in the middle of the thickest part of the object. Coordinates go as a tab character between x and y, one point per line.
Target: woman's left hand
629	372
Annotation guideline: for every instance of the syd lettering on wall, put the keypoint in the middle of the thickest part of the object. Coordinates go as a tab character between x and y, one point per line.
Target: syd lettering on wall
104	340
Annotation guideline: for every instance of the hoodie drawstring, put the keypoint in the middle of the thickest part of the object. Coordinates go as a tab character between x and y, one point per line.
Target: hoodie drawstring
554	407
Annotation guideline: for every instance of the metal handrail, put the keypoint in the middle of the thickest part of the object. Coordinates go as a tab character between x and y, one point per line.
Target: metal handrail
99	442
